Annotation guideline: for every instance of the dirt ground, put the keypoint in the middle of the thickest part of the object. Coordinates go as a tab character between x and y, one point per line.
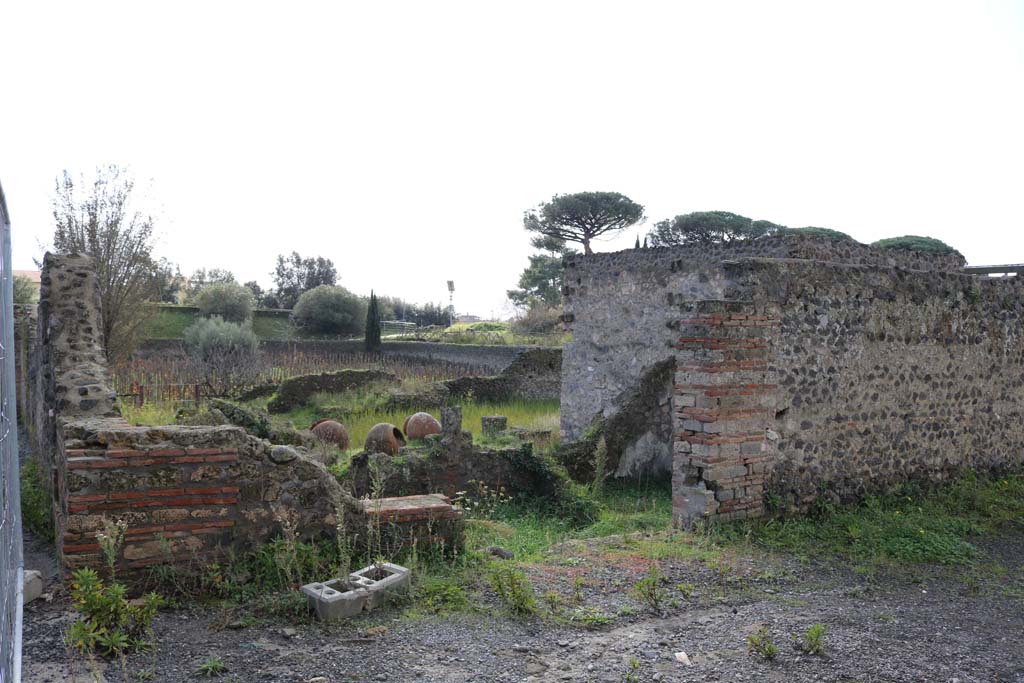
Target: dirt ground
933	625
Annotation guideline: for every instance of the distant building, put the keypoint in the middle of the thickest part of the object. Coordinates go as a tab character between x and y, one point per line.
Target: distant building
468	319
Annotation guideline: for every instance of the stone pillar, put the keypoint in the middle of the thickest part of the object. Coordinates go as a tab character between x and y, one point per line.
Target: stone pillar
493	425
723	405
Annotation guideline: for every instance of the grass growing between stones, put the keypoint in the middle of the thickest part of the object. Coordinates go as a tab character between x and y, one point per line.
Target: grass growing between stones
529	414
149	414
625	507
916	526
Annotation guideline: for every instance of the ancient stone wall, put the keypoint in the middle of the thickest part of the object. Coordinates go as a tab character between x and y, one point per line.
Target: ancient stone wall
452	464
185	493
491	358
804	366
295	391
886	374
536	374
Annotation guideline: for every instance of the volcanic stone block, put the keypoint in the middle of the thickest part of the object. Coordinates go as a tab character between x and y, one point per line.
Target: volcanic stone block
33	585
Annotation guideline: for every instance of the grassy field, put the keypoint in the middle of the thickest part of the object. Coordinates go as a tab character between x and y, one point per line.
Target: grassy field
529	414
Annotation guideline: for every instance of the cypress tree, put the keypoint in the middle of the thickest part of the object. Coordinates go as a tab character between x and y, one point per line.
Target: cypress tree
637	245
372	341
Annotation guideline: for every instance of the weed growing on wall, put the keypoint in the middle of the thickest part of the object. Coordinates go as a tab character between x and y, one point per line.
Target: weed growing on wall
600	467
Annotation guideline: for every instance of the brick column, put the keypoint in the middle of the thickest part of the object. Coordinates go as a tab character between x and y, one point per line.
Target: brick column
723	405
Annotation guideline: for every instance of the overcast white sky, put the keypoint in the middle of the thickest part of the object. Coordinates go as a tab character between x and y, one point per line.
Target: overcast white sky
405	140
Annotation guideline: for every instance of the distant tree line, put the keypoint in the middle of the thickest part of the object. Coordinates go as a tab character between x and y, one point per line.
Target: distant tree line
586	216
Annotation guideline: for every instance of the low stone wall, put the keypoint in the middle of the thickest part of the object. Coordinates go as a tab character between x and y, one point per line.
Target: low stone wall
185	493
451	464
534	375
295	391
491	358
417	521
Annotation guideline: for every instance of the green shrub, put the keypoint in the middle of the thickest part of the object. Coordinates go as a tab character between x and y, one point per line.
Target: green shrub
915	243
649	590
212	667
25	291
761	643
329	309
110	624
211	337
817	232
813	642
36	506
538	319
224	353
229	300
514	588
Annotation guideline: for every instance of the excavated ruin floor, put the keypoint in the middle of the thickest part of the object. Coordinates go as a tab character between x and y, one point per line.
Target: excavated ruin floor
928	626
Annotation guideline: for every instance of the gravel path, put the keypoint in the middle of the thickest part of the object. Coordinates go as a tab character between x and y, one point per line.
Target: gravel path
884	629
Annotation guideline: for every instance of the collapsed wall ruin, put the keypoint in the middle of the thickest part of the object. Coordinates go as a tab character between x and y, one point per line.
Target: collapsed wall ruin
803	366
185	492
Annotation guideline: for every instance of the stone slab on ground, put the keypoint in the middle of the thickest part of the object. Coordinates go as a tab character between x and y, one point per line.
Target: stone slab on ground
33	585
412	508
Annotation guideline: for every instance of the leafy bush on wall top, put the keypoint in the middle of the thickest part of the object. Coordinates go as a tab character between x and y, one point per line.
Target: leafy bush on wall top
231	301
329	309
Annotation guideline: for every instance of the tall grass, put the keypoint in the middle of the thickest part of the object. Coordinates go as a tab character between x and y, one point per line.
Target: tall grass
149	414
529	414
920	524
625	507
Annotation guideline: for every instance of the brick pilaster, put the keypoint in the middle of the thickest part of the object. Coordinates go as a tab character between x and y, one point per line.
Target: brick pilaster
723	405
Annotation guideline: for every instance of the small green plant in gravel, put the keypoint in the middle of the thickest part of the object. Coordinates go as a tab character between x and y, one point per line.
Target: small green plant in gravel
632	672
649	590
761	643
813	641
513	587
212	667
577	590
554	601
590	617
110	624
